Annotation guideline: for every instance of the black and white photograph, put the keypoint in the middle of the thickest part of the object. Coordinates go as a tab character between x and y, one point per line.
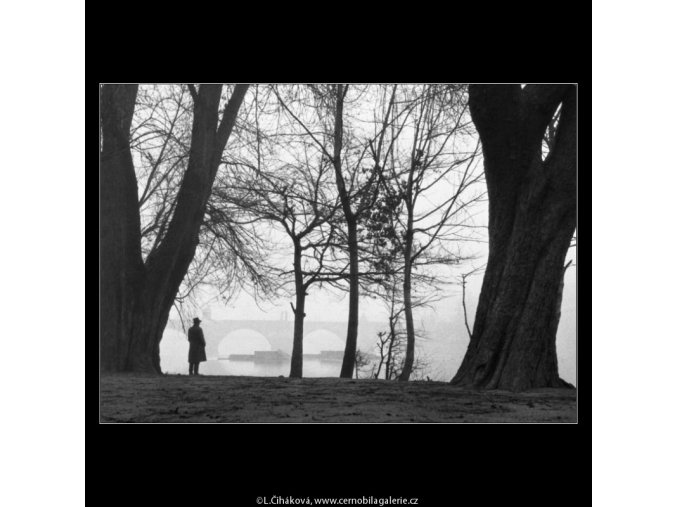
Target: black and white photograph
241	272
338	253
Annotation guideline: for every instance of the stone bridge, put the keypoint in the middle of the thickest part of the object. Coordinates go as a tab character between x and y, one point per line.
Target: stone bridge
279	333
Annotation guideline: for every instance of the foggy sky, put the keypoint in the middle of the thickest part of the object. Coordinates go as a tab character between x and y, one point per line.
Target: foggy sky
332	305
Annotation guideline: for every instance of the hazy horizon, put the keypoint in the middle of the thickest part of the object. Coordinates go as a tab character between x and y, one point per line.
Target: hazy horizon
444	349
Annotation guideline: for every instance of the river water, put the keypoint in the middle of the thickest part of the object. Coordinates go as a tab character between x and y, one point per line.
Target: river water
443	357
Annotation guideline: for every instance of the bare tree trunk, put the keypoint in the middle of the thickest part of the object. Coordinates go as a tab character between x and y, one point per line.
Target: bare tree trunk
121	264
408	313
381	358
353	303
348	364
391	343
299	315
465	310
532	217
138	343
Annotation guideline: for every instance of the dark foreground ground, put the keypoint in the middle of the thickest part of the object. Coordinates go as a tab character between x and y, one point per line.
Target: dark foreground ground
180	398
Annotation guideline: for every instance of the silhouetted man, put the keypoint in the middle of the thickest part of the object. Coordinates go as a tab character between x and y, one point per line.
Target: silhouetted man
196	353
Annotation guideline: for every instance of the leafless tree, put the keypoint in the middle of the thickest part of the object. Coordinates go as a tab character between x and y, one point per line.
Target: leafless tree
362	360
463	278
407	226
532	217
294	197
391	344
229	255
357	161
137	294
285	181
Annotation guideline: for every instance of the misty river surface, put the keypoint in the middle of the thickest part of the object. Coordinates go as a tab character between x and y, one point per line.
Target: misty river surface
442	356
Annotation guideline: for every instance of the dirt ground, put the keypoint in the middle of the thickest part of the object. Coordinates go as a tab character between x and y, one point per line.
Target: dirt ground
130	398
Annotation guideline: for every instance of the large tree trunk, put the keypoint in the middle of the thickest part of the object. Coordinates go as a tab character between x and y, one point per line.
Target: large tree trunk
299	316
167	265
121	265
138	343
532	217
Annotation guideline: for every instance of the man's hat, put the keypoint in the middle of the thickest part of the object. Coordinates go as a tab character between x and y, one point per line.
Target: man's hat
196	320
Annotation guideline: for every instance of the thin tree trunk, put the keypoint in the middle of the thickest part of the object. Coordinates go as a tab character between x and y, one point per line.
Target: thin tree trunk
406	286
348	364
532	217
390	348
465	310
382	358
353	304
408	313
299	315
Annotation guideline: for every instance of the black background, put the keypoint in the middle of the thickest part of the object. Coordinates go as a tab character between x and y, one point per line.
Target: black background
441	464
